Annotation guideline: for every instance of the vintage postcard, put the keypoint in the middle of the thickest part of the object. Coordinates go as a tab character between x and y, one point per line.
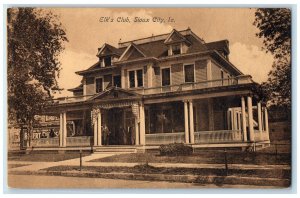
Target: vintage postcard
164	98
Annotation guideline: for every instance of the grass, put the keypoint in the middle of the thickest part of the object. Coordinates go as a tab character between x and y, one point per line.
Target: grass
16	165
202	157
146	169
43	157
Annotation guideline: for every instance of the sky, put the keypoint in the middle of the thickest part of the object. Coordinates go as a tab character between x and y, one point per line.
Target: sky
86	33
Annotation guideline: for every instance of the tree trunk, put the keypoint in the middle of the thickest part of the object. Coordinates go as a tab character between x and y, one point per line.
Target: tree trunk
29	132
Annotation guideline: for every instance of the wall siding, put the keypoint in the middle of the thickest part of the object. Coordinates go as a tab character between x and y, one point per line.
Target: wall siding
145	76
177	74
107	81
157	80
90	86
201	70
216	71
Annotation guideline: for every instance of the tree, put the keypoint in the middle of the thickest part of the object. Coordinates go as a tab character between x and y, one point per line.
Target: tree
274	26
35	40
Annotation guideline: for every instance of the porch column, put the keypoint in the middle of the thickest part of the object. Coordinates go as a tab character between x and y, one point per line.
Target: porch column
61	130
99	130
186	122
65	130
142	124
267	124
95	132
208	72
259	117
244	129
250	118
191	122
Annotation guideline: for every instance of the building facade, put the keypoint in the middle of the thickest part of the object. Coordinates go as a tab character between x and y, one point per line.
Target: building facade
170	88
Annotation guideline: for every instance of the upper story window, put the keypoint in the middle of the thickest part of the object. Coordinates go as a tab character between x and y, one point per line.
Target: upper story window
99	85
189	75
117	81
165	77
136	78
107	61
176	49
222	77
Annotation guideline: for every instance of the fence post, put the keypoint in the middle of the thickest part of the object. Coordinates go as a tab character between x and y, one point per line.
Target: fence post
226	165
80	159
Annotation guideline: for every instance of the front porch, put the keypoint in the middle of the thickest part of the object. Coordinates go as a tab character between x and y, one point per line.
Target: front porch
224	121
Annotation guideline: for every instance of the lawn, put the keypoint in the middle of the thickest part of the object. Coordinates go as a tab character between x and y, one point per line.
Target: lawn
146	169
43	157
208	157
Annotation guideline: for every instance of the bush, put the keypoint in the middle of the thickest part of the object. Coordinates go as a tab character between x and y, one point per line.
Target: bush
175	149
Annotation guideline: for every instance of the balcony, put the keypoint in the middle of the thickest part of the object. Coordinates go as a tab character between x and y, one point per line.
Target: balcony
245	79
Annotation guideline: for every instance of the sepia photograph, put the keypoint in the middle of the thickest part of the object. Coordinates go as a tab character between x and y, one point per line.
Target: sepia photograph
149	97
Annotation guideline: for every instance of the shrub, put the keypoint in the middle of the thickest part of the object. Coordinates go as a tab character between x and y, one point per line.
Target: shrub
175	149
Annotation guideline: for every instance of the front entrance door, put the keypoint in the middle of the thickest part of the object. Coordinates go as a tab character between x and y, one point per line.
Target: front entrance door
115	126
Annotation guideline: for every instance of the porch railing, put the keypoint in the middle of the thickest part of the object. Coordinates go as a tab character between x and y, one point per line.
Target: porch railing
164	138
80	141
45	142
218	136
260	136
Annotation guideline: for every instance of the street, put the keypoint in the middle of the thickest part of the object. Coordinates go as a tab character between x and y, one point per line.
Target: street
34	181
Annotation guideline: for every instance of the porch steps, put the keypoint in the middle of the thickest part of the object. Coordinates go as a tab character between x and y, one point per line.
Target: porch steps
115	149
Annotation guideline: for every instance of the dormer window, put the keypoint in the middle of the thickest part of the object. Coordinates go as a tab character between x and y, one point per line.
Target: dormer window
176	49
105	61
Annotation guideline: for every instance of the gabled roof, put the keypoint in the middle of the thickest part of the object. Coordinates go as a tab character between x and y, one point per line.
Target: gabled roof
174	37
219	45
111	50
132	45
115	93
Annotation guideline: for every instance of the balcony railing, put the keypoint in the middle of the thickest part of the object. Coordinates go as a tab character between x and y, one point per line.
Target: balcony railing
172	88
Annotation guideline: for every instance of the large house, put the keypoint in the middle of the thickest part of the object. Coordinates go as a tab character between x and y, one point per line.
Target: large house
169	88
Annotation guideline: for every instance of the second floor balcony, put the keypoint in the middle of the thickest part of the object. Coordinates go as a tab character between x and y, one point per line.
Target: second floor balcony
239	80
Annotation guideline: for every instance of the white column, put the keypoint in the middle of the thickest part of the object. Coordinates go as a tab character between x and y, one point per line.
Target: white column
244	129
99	131
150	74
95	132
250	118
122	78
142	124
61	130
208	72
259	117
186	122
64	140
267	124
192	138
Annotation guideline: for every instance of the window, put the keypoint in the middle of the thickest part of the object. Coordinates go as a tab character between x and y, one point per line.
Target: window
165	77
117	81
189	73
131	79
139	74
136	78
107	61
99	85
175	49
222	77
